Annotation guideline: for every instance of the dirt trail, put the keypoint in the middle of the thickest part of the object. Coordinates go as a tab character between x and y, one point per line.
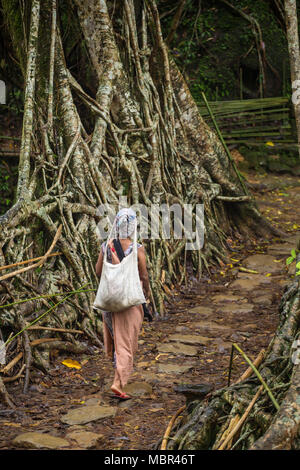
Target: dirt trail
191	345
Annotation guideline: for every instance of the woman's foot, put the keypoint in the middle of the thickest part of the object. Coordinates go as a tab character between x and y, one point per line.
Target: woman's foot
119	394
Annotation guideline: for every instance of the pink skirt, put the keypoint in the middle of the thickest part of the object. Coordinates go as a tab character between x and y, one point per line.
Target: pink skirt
126	328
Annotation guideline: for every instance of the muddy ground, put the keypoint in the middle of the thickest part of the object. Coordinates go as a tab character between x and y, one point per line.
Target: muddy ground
192	344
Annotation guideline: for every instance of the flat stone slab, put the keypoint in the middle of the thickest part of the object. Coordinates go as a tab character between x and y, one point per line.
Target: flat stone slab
281	249
236	308
39	440
137	389
202	309
210	325
265	299
85	439
194	391
86	414
293	239
223	298
149	376
222	346
189	339
93	401
249	284
263	263
178	348
242	275
181	329
173	368
249	326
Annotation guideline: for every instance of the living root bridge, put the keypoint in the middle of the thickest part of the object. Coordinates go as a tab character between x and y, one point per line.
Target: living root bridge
242	416
124	124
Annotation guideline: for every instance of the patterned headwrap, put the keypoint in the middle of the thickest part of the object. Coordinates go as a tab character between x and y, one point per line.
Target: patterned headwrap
125	223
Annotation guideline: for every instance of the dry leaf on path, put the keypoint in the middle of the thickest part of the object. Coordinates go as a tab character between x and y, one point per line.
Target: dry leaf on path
71	364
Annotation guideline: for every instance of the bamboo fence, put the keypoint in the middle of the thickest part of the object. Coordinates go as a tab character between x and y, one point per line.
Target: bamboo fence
254	121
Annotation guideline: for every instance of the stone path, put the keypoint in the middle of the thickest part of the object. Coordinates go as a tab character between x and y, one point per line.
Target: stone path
73	409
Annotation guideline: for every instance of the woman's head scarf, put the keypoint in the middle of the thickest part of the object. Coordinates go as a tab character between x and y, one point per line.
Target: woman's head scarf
125	223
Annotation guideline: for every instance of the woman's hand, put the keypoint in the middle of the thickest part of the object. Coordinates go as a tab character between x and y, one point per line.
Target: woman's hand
115	258
143	272
99	264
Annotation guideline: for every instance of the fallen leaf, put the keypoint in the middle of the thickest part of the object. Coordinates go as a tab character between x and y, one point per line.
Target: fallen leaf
160	354
71	364
15	425
43	384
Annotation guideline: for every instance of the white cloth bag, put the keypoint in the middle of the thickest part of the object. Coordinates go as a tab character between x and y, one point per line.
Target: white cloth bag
120	285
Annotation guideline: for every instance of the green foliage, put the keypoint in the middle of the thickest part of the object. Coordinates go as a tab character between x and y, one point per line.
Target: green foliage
293	258
8	180
15	101
213	41
16	18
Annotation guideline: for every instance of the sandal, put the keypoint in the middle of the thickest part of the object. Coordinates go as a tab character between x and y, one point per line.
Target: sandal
120	395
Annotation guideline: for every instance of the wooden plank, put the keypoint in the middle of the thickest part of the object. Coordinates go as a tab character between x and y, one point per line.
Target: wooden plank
9	154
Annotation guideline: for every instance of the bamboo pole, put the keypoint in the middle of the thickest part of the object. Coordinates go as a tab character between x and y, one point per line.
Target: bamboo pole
28	261
241	421
232	424
248	372
46	296
15	377
170	425
60	330
19	356
275	403
40	262
45	313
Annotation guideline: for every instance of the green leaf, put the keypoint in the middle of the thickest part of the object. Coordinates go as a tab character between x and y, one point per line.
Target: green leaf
289	260
298	265
293	253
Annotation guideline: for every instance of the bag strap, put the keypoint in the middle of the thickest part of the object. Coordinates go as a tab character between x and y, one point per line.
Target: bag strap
119	249
134	249
108	238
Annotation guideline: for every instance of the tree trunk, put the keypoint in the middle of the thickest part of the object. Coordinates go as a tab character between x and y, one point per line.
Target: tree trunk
291	20
121	122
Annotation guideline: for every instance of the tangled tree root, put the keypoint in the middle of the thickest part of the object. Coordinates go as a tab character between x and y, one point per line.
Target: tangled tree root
132	129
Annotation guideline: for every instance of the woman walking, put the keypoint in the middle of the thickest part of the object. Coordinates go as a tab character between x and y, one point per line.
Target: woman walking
121	329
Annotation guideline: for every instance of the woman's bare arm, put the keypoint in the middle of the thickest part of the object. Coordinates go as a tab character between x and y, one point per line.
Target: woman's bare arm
143	272
99	264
